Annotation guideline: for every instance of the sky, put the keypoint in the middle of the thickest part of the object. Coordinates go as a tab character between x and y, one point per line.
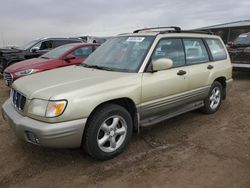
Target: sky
24	20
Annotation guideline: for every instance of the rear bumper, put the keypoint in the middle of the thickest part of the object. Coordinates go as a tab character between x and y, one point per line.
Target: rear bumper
241	66
56	135
229	84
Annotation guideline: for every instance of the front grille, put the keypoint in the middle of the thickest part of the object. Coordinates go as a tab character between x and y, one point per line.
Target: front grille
8	78
18	99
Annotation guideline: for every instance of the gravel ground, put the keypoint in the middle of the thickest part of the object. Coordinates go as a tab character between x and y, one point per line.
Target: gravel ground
192	150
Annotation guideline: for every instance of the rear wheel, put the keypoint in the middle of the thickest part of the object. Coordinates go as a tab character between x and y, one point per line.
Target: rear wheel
108	132
214	98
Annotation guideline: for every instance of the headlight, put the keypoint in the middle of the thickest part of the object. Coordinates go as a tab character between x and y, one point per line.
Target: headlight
26	72
47	108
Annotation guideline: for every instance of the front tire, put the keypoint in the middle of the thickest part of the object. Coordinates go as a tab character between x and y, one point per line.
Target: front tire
108	132
213	101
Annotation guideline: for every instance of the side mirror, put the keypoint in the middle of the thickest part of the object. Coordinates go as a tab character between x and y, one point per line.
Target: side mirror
34	49
162	64
69	57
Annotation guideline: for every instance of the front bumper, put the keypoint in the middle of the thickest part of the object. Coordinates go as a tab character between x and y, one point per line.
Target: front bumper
56	135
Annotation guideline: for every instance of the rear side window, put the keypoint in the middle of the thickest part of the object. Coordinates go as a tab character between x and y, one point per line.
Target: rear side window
217	50
195	51
171	49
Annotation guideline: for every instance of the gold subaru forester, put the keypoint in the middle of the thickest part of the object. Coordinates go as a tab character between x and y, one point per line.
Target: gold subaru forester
132	80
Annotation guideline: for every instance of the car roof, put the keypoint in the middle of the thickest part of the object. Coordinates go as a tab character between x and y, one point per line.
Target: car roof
196	35
76	45
171	31
60	38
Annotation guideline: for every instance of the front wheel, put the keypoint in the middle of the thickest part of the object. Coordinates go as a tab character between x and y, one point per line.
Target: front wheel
214	98
108	132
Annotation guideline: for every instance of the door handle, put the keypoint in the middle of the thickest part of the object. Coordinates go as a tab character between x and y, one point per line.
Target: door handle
209	67
181	72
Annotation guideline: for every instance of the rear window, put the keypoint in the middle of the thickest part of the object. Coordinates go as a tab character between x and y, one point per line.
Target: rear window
217	49
242	39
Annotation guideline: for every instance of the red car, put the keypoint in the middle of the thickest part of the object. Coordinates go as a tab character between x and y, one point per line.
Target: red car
69	54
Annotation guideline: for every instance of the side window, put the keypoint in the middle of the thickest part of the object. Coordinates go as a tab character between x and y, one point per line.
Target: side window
58	43
45	45
61	42
195	51
83	51
95	47
171	49
217	49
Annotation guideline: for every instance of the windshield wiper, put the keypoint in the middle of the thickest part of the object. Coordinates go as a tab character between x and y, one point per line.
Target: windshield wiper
97	67
44	57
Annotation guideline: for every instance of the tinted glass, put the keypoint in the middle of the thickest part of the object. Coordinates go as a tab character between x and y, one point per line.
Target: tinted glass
62	42
171	49
46	45
57	52
242	39
195	51
83	51
28	45
124	53
217	49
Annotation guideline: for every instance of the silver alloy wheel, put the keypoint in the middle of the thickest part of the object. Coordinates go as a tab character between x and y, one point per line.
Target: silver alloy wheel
215	98
112	133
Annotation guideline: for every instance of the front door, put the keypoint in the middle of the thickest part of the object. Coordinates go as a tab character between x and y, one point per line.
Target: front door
165	89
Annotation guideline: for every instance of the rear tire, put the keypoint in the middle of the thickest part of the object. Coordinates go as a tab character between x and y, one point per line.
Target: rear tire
107	132
214	99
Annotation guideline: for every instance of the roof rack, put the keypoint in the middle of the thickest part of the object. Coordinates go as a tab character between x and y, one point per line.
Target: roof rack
173	29
198	31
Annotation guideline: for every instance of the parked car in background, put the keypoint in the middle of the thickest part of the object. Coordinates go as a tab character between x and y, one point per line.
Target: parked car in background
93	39
68	54
132	80
35	48
239	51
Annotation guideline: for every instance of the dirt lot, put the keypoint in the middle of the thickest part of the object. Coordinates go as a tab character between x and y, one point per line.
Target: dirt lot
192	150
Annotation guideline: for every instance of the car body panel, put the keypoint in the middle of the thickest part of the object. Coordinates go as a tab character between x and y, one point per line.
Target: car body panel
41	64
9	56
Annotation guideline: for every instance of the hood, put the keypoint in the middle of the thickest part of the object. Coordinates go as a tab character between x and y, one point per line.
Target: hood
9	50
35	63
63	83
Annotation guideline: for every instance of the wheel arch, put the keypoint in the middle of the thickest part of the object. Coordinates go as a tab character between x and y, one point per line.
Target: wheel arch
222	81
125	102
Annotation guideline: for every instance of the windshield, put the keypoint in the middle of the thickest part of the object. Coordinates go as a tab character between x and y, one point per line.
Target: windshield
123	54
243	39
57	52
28	45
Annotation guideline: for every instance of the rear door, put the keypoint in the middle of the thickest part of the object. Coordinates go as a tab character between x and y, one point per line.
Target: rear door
198	62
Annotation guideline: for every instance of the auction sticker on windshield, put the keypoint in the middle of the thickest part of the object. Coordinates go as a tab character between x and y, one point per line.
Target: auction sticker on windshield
135	39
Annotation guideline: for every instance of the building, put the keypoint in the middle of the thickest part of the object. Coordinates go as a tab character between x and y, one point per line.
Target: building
229	31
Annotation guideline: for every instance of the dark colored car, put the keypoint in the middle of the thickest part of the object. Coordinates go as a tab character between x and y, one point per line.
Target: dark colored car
33	49
68	54
239	52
